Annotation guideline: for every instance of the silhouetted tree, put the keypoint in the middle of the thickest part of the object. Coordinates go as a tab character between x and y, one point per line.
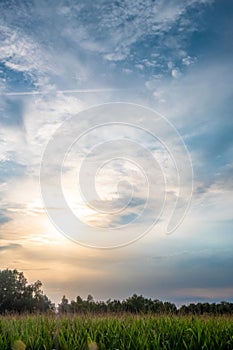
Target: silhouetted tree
16	295
64	307
139	304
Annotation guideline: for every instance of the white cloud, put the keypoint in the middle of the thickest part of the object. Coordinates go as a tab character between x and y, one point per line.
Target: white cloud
188	60
80	47
199	92
19	52
175	73
102	29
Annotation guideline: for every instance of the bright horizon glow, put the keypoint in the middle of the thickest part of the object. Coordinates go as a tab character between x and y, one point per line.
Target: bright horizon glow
59	60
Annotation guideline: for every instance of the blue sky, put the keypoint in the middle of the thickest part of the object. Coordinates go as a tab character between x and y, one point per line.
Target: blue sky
59	59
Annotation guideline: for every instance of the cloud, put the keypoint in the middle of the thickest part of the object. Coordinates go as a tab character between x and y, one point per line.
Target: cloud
10	169
104	32
199	104
59	59
12	246
12	113
175	73
3	217
21	53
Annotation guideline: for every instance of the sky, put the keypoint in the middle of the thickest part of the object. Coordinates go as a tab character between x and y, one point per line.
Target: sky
116	147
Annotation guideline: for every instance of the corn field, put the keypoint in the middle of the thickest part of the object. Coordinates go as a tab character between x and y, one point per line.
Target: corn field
113	332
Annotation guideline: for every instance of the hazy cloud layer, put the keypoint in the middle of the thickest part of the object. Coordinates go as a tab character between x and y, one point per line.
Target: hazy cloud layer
59	58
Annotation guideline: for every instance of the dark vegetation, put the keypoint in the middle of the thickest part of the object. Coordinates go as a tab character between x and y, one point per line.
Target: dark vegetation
137	304
18	296
29	321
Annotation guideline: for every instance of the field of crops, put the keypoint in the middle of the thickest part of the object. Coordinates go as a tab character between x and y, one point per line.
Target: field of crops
116	332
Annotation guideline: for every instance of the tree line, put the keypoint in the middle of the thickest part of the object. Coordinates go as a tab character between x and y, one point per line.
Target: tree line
137	304
18	296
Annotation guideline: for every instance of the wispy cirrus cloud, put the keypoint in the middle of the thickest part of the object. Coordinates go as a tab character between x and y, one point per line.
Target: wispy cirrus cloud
112	31
58	58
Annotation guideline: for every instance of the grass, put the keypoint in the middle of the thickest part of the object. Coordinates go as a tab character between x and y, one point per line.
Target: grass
116	332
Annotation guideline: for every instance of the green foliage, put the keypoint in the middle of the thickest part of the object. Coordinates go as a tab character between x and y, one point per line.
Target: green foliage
16	295
138	304
123	332
135	304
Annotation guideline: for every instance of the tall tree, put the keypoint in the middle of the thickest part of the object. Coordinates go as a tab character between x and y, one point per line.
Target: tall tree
16	295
